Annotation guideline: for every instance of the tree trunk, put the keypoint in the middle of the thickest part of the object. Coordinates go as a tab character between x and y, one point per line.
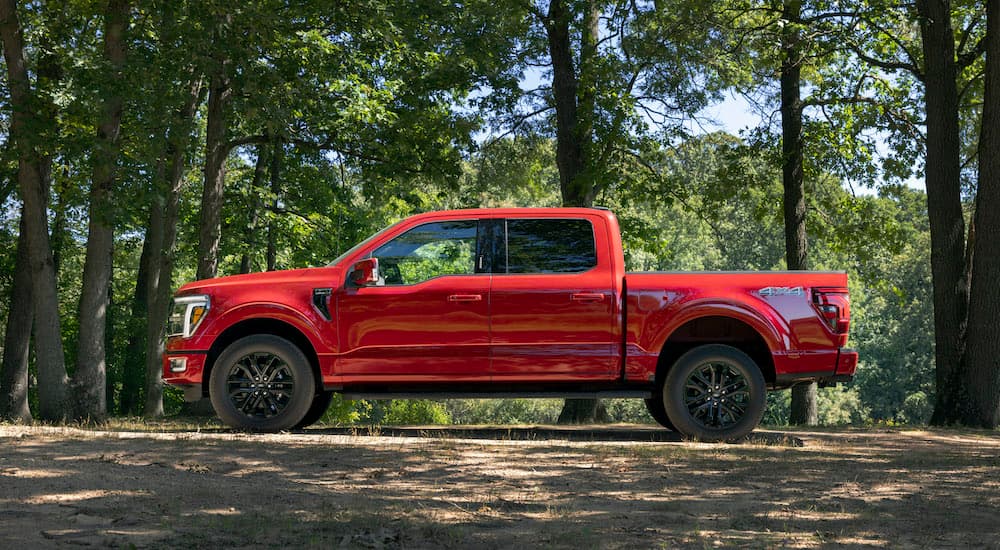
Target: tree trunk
804	409
272	246
14	376
216	151
33	177
944	205
134	368
574	101
259	171
981	371
89	390
569	150
159	286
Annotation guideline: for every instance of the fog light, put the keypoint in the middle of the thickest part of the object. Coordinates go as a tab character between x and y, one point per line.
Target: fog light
178	364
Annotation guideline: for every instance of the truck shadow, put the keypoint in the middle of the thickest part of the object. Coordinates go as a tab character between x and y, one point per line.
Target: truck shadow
585	433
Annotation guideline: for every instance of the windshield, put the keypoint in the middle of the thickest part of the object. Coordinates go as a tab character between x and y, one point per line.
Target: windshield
360	245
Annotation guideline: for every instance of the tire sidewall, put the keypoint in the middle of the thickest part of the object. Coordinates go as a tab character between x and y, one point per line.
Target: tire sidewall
302	392
673	392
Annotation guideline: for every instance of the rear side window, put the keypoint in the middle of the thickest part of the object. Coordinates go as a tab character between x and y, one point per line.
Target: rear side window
550	246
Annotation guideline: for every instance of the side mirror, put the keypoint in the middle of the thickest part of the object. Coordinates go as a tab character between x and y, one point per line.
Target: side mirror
365	272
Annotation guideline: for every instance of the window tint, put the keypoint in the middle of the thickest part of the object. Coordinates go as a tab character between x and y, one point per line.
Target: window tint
550	246
428	251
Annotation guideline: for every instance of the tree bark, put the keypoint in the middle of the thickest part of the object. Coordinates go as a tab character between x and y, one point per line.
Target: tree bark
134	367
14	376
33	177
161	273
944	205
574	100
277	157
216	151
804	410
569	149
981	370
259	171
89	390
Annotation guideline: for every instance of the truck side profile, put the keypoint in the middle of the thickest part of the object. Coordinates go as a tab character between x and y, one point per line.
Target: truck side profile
506	302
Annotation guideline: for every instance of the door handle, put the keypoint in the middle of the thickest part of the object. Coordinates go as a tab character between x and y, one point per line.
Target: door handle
465	298
587	297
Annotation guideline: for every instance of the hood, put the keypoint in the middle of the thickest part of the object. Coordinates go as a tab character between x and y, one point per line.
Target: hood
328	276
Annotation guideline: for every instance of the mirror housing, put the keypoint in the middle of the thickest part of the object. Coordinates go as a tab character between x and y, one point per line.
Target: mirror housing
365	272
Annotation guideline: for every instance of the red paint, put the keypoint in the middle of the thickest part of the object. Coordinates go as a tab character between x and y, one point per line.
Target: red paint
488	328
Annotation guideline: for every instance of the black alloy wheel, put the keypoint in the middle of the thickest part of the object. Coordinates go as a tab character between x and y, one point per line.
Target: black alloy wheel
715	393
262	383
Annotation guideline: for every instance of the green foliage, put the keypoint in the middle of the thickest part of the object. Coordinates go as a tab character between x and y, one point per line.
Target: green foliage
414	412
376	110
345	412
503	411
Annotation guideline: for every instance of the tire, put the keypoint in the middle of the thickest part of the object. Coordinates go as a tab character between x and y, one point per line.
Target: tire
238	380
655	407
320	403
715	393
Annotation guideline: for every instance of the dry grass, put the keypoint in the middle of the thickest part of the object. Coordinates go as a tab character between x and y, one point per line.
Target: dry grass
189	485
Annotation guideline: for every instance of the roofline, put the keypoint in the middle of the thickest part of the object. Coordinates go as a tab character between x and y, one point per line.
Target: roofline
493	212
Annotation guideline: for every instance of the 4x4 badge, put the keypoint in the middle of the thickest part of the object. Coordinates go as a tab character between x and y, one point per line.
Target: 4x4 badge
781	291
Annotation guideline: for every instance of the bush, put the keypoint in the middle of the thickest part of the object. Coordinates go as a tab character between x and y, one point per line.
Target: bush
409	411
504	411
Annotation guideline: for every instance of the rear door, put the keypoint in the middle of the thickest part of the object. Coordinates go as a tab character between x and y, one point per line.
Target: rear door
428	320
553	314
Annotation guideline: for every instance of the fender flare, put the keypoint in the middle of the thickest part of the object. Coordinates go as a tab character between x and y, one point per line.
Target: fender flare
773	329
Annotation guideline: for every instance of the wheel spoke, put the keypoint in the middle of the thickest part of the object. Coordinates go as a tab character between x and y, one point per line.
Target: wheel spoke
716	395
260	385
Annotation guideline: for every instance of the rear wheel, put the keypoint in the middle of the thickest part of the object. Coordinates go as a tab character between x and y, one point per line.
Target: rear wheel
656	409
262	383
715	393
318	408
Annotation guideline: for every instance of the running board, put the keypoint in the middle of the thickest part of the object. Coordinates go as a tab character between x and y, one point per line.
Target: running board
433	395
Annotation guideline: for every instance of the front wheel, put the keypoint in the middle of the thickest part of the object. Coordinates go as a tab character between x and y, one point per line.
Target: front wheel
262	383
715	393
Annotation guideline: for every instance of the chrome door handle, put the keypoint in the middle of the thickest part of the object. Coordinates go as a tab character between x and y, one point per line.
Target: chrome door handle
587	297
465	298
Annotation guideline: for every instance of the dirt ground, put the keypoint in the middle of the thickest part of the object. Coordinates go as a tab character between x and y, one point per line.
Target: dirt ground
607	486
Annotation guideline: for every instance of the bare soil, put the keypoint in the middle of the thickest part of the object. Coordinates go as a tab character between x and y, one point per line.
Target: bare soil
607	486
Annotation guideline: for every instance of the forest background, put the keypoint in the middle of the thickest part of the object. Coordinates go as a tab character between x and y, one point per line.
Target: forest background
146	143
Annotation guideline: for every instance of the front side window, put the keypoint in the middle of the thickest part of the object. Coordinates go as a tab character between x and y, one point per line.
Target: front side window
550	246
427	251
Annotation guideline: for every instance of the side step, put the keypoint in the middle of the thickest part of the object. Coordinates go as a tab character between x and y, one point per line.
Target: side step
433	395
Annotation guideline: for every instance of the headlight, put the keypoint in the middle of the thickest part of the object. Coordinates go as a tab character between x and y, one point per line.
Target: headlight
187	314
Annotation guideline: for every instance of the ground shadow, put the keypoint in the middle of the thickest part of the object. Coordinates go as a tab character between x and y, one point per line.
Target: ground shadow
618	433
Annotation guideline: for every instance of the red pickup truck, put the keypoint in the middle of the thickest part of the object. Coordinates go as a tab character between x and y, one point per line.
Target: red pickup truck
506	302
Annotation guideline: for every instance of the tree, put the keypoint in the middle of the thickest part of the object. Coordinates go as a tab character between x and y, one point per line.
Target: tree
804	406
14	373
90	400
34	171
981	363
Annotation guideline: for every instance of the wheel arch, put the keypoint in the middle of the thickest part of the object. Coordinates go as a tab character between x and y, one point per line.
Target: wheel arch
261	325
740	332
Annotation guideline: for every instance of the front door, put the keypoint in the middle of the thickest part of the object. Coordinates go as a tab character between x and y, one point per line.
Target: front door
553	311
428	319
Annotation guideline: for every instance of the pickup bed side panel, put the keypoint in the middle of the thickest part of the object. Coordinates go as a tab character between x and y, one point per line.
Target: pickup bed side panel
658	304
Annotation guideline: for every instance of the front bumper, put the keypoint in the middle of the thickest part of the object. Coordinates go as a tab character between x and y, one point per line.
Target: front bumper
184	367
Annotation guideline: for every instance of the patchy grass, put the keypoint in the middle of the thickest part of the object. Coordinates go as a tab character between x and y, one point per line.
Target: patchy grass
194	484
